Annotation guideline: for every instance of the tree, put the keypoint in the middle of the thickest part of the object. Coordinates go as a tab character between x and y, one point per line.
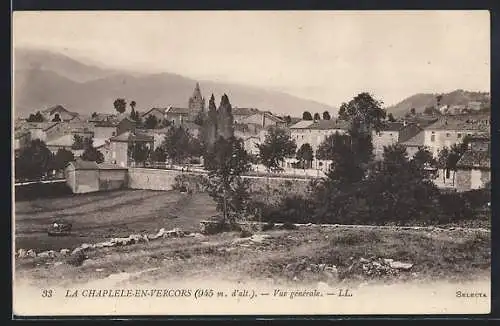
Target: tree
92	154
276	146
56	118
364	112
159	155
430	110
38	117
199	119
343	112
94	115
151	122
442	161
326	115
317	116
332	145
288	120
77	142
391	118
120	105
139	152
132	105
305	155
228	162
34	160
62	158
177	144
307	115
412	111
423	160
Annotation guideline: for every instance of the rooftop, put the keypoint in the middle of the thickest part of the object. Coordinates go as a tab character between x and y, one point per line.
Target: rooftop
462	122
129	136
244	111
475	159
303	124
417	140
65	141
176	110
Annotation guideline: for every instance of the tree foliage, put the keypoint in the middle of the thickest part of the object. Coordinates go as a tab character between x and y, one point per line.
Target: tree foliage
151	122
364	112
326	115
34	160
91	153
56	118
317	116
139	151
38	117
307	115
305	155
391	118
276	146
120	105
228	162
179	144
62	158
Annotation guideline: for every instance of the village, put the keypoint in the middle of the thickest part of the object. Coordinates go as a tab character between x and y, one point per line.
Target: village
113	136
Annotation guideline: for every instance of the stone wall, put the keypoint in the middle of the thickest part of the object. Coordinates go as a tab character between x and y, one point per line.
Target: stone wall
158	179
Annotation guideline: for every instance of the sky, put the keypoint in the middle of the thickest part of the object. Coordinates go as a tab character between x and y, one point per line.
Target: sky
327	56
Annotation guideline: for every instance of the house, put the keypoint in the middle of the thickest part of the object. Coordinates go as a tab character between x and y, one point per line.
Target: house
157	134
242	113
392	133
105	129
119	146
413	144
126	124
63	142
86	176
474	167
474	105
450	130
263	120
177	116
158	113
314	132
37	130
59	111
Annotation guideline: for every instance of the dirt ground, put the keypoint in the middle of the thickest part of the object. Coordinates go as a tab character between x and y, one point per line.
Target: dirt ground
100	216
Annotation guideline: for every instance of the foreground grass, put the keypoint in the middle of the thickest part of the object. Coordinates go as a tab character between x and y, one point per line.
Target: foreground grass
451	255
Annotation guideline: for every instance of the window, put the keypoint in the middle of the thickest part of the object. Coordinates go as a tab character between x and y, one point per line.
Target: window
433	138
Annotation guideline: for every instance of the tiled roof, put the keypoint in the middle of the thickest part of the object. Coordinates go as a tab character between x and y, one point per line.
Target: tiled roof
132	137
417	140
161	110
462	122
66	140
176	110
58	108
303	124
244	111
392	126
475	159
329	125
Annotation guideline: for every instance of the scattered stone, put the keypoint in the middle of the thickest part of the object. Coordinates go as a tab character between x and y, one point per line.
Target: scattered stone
44	254
85	246
64	252
99	269
31	253
245	234
21	253
57	263
77	258
259	238
51	253
400	265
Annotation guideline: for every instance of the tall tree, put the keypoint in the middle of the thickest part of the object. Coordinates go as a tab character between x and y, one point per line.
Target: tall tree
177	144
423	160
38	117
57	118
343	112
159	155
307	115
151	122
365	112
120	105
276	146
288	120
229	161
77	142
62	158
34	160
305	155
442	160
332	145
317	116
326	115
413	111
139	152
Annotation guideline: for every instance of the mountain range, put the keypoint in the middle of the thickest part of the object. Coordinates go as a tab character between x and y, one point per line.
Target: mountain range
423	100
43	79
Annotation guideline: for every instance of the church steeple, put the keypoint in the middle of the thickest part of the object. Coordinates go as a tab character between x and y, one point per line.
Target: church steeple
196	101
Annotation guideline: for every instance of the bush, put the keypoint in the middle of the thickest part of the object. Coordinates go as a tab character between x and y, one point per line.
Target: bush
190	183
289	226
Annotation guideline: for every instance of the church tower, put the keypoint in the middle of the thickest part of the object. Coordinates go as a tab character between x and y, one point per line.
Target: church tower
196	101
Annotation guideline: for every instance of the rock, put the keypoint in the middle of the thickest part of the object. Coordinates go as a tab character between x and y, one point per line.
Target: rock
364	260
44	254
160	233
99	269
57	263
400	265
51	253
21	253
64	252
388	261
31	253
321	267
77	258
85	246
259	238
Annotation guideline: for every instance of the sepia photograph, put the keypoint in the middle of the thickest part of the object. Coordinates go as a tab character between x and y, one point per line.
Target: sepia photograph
251	163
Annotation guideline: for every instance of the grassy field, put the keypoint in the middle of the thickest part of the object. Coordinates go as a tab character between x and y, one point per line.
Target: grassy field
100	216
446	254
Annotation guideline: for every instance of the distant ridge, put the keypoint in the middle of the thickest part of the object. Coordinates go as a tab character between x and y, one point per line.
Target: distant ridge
43	79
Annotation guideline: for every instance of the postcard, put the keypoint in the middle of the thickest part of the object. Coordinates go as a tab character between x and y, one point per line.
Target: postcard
251	163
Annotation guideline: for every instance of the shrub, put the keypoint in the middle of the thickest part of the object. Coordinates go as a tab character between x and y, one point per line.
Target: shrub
289	226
